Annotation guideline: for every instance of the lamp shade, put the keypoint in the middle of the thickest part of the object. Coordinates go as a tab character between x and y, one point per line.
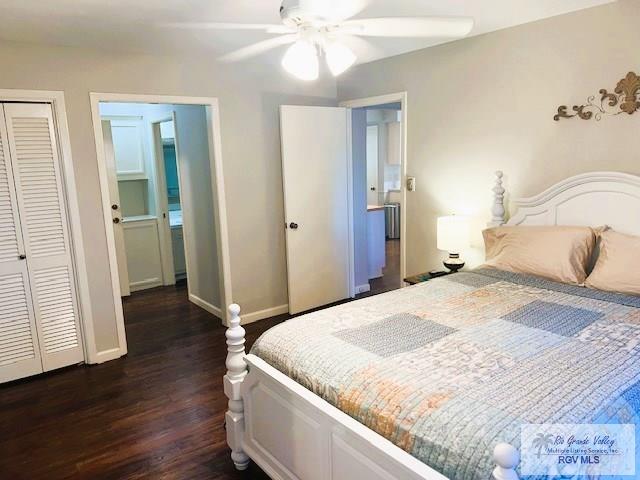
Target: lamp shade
301	61
453	233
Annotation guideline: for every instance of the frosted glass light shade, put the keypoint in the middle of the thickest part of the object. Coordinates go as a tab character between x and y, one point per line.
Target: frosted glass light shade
339	58
453	233
301	61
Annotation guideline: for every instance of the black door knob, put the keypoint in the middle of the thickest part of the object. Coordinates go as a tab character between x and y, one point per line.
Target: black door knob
22	257
373	189
114	206
293	226
116	220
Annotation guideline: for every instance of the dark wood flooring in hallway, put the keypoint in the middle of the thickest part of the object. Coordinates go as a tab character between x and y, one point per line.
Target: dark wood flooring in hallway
155	414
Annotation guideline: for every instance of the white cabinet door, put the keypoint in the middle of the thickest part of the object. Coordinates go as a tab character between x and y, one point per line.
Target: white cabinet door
19	350
129	147
316	197
41	205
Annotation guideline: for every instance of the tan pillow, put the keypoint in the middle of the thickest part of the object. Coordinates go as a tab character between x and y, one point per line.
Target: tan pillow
558	253
616	270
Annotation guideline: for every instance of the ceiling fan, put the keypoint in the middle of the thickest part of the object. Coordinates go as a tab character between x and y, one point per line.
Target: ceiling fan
320	27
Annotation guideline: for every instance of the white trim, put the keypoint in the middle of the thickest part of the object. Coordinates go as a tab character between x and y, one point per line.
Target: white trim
145	284
363	288
107	355
57	101
381	100
205	305
351	235
266	313
213	112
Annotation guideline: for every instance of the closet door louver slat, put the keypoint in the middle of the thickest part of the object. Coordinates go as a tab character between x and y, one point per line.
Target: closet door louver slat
19	347
41	203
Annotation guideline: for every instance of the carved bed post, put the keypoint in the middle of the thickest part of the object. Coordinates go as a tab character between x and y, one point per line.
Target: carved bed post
497	211
236	371
507	457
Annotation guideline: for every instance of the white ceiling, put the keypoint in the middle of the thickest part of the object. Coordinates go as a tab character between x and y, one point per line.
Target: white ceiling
137	25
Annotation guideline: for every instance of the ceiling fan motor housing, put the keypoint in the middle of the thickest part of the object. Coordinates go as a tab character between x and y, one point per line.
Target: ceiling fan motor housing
299	12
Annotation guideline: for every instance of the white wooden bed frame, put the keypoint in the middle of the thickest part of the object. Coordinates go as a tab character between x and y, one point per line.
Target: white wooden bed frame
293	434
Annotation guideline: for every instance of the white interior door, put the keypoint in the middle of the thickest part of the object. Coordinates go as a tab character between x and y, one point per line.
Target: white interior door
316	198
41	205
116	208
19	349
372	165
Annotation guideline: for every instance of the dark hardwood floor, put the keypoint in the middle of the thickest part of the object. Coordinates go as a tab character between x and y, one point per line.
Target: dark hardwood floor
155	414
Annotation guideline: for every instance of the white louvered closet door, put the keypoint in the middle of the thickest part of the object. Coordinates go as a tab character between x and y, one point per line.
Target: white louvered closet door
19	350
41	205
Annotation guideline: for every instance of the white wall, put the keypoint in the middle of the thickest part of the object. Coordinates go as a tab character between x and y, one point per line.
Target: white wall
487	103
249	99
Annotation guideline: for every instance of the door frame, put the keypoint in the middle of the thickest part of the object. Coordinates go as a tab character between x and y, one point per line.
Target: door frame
370	102
70	193
217	180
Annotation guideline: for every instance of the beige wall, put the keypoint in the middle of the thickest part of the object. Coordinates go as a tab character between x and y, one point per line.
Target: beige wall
249	103
486	103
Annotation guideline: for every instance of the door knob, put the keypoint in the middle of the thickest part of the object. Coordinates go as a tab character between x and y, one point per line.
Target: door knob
373	189
114	206
116	220
293	226
22	257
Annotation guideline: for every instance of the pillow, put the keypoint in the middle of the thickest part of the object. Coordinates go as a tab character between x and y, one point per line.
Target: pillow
557	253
616	270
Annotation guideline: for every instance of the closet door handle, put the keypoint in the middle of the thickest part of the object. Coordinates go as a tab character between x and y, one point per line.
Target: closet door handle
116	220
22	257
293	226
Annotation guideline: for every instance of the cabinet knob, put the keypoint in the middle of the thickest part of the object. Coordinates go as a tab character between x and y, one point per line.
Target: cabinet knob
293	226
22	257
116	220
373	189
114	206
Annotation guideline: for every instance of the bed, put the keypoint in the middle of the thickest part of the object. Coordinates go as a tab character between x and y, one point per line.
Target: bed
434	381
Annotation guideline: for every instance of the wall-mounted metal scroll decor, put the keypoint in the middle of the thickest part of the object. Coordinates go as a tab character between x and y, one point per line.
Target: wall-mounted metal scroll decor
624	99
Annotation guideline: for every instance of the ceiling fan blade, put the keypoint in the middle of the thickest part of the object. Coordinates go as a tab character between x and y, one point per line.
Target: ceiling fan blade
257	48
267	27
427	27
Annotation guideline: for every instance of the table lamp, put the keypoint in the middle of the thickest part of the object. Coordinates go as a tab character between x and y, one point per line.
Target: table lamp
453	237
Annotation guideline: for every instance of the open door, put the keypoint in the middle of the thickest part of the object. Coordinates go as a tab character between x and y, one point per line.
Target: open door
116	210
315	172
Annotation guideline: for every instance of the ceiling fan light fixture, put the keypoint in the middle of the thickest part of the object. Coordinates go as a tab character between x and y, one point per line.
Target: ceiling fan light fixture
301	61
339	58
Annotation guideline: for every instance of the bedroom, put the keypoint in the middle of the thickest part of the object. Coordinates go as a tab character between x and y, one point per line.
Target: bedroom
474	106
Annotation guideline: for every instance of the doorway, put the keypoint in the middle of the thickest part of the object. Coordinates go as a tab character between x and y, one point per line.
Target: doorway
166	221
379	194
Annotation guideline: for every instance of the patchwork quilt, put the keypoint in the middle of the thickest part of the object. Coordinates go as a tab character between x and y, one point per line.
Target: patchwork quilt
448	368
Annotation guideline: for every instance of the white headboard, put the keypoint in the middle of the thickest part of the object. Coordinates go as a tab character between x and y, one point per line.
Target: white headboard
590	199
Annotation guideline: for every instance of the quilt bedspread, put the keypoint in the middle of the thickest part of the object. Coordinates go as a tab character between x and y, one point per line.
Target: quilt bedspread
448	368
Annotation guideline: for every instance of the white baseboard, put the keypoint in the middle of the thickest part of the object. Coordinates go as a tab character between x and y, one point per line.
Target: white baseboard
363	288
262	314
206	305
144	284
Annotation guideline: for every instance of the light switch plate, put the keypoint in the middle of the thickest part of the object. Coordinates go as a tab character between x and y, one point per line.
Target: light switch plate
411	184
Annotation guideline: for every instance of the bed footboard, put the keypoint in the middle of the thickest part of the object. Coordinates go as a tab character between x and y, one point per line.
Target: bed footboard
302	437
